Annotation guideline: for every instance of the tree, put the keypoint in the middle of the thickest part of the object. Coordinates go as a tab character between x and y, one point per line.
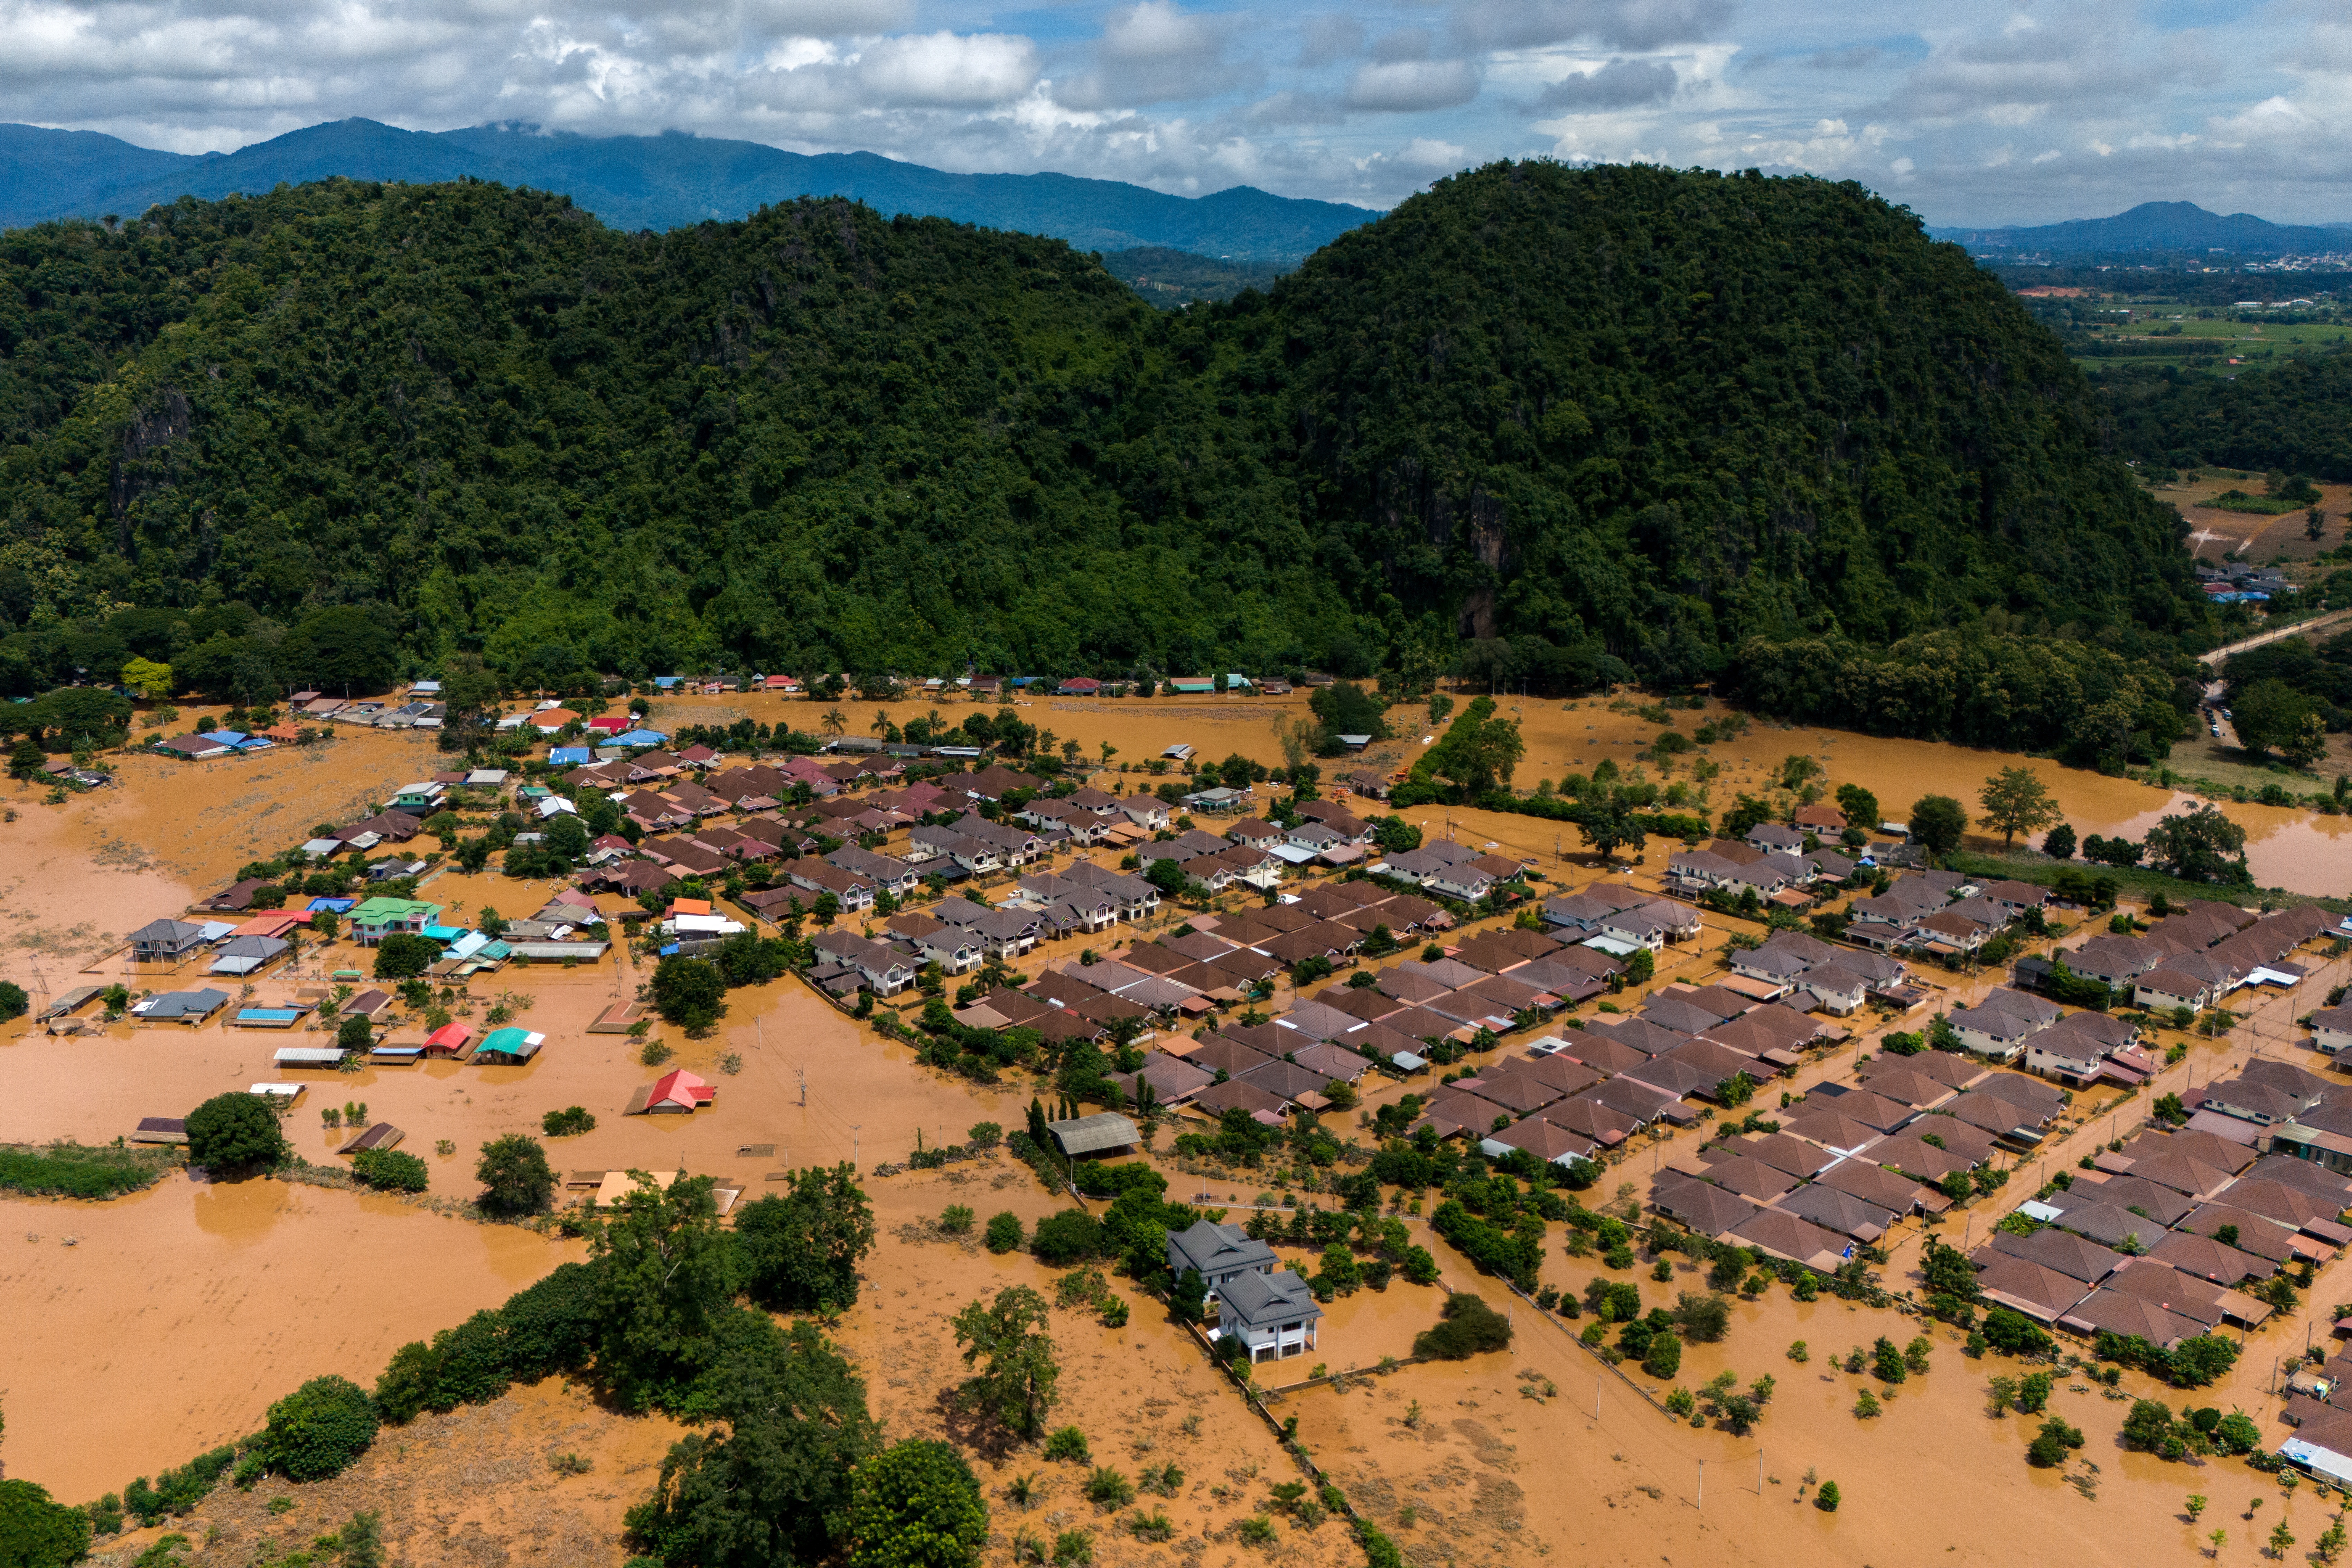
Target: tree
13	1003
2149	1424
339	648
232	1132
665	1276
2199	845
1704	1317
1344	707
2059	842
2308	744
319	1430
779	1487
2268	713
1859	807
1189	1296
1828	1497
148	679
2016	801
1664	1357
800	1248
1611	824
1477	751
405	956
1005	1232
515	1175
1937	822
27	758
1006	1339
916	1505
689	992
36	1533
355	1034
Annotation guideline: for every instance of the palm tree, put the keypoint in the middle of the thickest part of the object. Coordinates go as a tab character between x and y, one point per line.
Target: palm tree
881	725
832	722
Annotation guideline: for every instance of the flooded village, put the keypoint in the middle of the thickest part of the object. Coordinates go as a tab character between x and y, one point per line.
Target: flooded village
1714	1127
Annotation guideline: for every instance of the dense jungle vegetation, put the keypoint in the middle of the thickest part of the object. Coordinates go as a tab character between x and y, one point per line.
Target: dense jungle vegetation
1555	425
2295	417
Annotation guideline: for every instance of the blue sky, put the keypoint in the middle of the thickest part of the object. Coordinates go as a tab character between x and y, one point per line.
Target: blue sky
1969	112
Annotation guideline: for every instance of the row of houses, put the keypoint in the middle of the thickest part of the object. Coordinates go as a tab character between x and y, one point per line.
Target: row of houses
2198	956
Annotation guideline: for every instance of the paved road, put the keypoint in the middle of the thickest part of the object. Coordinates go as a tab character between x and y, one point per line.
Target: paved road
2218	654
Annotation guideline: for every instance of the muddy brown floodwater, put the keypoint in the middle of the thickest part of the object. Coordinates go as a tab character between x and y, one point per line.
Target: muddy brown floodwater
147	1329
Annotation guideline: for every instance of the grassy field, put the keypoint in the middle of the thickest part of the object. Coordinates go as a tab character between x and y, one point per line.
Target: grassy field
79	1170
2209	342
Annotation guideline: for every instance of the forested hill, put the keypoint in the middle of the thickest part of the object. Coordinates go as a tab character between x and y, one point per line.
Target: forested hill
1590	422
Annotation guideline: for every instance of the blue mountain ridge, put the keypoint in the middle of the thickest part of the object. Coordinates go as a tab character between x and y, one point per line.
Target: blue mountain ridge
657	182
2160	226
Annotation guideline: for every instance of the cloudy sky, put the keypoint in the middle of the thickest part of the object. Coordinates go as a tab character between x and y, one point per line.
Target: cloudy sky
1970	111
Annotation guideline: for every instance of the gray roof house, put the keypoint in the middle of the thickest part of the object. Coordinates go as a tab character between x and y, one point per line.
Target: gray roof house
1221	1253
1274	1314
162	940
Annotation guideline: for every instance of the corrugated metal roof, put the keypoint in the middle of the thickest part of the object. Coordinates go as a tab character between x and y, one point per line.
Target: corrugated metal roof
1093	1134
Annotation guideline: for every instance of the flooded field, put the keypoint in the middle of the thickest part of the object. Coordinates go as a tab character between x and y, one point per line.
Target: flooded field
147	1329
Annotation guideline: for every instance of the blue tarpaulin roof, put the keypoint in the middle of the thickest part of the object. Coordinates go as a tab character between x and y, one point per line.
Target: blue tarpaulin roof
640	738
569	756
225	737
341	905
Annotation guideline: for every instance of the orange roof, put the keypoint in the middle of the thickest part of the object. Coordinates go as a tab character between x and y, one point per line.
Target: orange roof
282	732
277	922
689	906
553	717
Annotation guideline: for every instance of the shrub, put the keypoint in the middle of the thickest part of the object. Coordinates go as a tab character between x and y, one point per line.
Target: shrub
1465	1326
956	1220
320	1428
13	1003
1828	1497
355	1034
1068	1443
391	1170
37	1533
2052	1444
1005	1232
232	1132
1664	1356
176	1491
568	1122
1070	1236
1109	1487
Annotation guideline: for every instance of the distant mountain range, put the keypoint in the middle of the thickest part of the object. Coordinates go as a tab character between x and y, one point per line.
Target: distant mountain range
657	182
2160	225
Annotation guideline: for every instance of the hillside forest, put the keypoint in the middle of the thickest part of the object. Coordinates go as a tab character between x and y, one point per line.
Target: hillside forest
1548	427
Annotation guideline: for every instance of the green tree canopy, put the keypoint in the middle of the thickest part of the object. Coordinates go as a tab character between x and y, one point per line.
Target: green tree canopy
1937	822
515	1175
800	1248
916	1505
665	1276
2016	801
779	1486
689	992
1005	1339
235	1131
